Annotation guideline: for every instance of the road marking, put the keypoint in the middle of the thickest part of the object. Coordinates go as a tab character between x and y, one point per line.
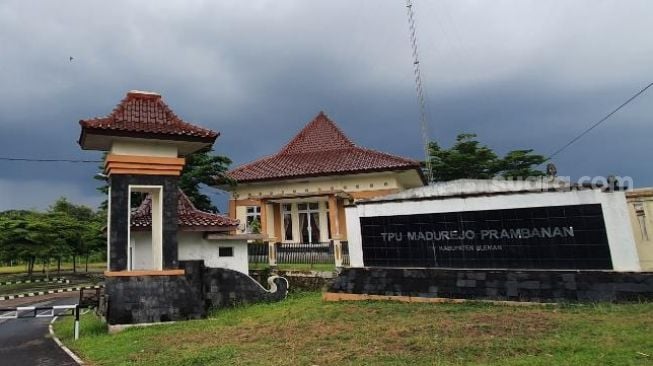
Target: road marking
62	346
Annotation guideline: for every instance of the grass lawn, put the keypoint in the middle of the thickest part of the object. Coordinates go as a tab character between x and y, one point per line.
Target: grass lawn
21	288
304	330
322	267
38	268
81	278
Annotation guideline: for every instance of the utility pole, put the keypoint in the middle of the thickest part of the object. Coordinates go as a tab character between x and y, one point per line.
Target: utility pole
421	102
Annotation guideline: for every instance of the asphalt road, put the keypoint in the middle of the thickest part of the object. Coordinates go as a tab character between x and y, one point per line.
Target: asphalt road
27	341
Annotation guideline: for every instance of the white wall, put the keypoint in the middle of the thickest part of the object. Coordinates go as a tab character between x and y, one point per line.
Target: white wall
615	211
193	246
141	255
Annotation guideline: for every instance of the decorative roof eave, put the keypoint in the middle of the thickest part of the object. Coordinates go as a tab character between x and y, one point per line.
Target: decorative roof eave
194	228
223	237
143	135
334	173
339	194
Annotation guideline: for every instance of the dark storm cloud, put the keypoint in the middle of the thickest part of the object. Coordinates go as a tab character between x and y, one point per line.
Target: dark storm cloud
521	74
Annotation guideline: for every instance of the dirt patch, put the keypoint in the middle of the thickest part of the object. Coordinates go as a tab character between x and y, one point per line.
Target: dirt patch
505	324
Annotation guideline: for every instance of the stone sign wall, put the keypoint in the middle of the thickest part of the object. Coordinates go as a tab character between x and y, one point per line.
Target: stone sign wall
554	237
510	285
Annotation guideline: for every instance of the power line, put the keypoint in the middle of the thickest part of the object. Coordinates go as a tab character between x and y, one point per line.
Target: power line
4	158
598	123
419	89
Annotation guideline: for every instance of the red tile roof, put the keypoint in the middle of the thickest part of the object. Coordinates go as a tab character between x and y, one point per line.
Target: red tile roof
188	217
145	113
319	149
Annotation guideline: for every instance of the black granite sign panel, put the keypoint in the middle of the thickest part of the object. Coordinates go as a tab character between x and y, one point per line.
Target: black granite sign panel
555	237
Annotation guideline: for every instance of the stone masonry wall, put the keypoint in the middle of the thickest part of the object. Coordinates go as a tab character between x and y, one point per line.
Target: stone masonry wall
151	299
513	285
299	280
225	288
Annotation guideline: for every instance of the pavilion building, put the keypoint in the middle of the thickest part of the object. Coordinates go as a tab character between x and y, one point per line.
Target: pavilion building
298	194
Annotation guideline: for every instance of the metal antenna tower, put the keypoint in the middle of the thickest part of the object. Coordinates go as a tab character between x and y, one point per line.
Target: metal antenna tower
420	90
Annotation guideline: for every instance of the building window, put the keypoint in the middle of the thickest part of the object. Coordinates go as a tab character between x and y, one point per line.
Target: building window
286	213
253	220
309	222
226	252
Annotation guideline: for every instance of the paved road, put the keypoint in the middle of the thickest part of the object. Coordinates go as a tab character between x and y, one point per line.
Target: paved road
27	341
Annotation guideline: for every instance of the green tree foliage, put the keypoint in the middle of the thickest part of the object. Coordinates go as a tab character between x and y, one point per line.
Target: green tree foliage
82	228
520	164
65	231
202	168
468	158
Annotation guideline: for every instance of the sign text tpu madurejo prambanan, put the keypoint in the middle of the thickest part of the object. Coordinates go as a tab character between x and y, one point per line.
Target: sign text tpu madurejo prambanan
559	237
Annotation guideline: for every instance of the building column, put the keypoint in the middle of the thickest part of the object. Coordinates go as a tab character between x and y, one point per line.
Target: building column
264	217
334	218
232	211
276	215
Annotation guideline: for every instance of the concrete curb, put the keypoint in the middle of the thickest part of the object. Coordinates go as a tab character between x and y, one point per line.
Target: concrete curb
61	345
39	293
57	280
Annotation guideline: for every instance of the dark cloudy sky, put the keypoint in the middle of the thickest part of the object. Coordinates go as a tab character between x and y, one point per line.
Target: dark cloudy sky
521	74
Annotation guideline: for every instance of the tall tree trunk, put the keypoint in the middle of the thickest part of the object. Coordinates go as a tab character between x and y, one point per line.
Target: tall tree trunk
30	266
58	266
74	263
87	262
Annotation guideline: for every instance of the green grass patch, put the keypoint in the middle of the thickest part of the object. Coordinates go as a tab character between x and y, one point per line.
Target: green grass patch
321	267
304	330
75	280
52	268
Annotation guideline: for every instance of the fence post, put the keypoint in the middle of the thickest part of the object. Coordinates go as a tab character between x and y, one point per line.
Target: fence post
272	254
77	322
337	253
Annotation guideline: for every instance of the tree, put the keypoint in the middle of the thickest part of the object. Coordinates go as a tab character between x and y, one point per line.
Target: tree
66	230
27	236
468	159
201	168
80	229
520	163
15	237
